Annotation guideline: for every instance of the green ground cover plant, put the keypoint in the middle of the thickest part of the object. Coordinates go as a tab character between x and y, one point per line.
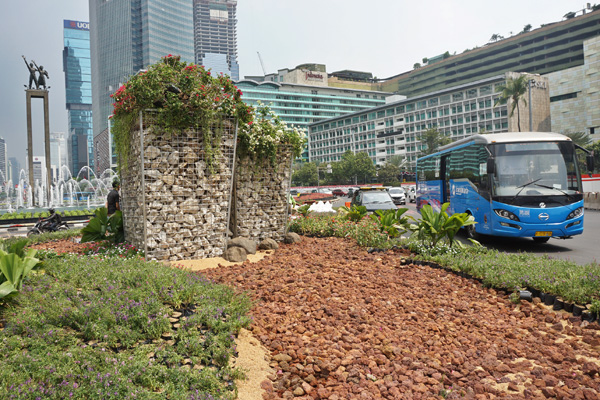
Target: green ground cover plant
93	327
108	249
572	282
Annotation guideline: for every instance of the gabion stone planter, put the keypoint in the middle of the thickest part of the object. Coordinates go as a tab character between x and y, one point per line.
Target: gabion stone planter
261	190
174	205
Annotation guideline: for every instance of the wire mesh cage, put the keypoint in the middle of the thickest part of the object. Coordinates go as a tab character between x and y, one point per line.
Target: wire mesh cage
261	190
177	189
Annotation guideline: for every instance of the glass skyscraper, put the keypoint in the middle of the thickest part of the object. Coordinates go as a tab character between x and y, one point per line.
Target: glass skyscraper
3	161
127	36
78	85
215	36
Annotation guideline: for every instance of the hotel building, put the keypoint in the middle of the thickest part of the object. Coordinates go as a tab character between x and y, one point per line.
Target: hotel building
456	112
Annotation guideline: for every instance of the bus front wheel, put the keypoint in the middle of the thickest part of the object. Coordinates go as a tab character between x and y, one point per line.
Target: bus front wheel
541	239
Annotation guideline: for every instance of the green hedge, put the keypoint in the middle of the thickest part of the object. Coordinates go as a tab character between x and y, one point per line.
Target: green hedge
44	214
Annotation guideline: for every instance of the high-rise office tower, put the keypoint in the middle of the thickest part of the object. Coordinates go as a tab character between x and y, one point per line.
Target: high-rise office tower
215	37
58	156
78	86
127	36
3	161
16	169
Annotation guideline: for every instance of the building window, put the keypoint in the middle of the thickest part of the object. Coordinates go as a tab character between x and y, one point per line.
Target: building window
563	97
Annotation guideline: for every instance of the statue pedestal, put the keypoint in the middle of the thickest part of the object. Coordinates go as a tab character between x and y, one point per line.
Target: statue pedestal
39	94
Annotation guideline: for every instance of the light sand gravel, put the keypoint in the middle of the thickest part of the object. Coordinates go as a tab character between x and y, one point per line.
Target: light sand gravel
251	354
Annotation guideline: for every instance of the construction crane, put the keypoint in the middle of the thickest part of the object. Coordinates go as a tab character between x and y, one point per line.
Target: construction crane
261	63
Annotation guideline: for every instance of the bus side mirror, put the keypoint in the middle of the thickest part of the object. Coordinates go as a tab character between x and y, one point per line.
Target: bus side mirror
589	158
491	166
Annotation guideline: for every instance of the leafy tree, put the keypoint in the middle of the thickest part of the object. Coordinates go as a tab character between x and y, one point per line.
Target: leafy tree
580	138
306	175
495	37
446	55
343	171
388	173
526	28
425	59
340	175
514	90
416	65
434	140
363	168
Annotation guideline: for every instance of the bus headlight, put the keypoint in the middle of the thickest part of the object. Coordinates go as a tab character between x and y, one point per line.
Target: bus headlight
506	214
576	213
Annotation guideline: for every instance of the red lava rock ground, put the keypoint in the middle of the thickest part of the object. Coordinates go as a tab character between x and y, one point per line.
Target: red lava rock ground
61	246
342	324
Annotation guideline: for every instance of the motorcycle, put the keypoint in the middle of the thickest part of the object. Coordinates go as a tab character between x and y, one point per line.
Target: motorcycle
45	226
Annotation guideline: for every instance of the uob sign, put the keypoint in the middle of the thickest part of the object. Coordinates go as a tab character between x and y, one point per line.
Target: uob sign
85	26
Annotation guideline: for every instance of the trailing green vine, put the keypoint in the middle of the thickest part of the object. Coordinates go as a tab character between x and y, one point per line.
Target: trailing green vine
186	96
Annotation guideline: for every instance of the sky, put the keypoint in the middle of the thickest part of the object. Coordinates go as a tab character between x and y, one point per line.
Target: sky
384	37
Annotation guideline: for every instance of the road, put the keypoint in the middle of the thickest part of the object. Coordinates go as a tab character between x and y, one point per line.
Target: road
581	249
22	230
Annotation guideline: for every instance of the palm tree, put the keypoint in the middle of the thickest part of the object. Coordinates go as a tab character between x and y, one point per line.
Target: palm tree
580	138
514	89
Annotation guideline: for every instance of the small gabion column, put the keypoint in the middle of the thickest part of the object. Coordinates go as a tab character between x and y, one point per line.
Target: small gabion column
180	199
261	196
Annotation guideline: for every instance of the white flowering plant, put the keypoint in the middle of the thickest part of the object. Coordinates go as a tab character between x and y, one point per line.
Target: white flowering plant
266	133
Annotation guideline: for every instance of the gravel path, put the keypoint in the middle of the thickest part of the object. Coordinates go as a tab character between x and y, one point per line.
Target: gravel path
341	324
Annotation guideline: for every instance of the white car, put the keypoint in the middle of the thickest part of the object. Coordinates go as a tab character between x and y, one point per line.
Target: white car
398	195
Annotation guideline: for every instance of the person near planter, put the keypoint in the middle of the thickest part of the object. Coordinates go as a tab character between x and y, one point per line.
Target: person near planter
113	199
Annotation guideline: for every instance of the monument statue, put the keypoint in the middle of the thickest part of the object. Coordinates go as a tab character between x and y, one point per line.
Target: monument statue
43	74
32	70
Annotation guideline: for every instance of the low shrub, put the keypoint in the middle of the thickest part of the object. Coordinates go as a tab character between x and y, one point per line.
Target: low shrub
366	232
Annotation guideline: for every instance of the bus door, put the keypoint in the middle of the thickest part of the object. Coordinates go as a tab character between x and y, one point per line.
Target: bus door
445	178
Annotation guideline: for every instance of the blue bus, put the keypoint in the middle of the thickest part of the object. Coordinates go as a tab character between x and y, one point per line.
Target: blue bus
516	184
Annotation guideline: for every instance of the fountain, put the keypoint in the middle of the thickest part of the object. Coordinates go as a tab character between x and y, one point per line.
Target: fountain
85	190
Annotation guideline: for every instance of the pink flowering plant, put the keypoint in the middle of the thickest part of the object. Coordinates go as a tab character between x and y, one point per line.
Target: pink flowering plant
181	96
184	96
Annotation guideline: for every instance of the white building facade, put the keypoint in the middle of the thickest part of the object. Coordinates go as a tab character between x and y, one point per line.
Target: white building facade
396	128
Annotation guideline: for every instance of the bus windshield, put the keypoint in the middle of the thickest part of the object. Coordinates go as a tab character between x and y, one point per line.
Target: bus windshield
535	168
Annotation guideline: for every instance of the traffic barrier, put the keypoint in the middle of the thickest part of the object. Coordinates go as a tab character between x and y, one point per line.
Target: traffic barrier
591	200
595	201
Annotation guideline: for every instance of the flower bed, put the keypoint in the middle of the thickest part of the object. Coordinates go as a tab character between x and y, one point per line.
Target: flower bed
107	327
